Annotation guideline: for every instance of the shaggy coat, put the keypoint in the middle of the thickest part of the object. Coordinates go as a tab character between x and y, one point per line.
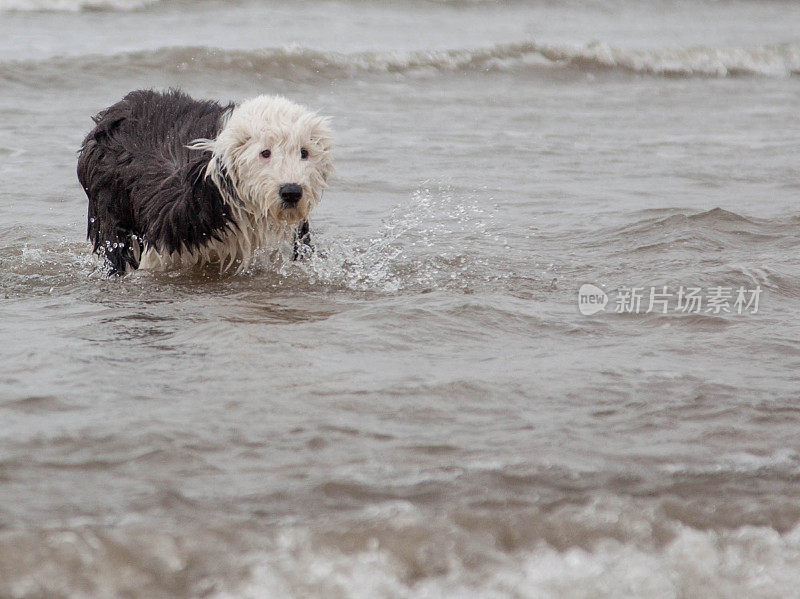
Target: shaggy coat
175	182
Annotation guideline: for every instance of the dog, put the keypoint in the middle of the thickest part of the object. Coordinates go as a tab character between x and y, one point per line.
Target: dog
175	182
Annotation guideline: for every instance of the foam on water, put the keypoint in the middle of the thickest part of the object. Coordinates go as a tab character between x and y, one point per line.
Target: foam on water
72	5
526	57
611	547
750	562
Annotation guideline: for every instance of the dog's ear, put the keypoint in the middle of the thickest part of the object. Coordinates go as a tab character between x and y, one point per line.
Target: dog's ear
217	168
322	139
231	143
321	134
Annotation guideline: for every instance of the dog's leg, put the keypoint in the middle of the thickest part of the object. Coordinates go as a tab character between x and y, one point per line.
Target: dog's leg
121	254
110	235
302	237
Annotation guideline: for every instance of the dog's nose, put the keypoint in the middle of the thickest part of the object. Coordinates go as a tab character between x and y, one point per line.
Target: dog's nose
291	193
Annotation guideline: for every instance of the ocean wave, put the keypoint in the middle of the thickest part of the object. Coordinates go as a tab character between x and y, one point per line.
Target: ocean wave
711	230
608	547
410	562
72	5
773	60
300	63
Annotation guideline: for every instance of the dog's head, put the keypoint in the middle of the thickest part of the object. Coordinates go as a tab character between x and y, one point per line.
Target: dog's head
274	156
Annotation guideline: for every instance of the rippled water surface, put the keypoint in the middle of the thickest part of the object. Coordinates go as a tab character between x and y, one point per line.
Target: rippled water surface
419	409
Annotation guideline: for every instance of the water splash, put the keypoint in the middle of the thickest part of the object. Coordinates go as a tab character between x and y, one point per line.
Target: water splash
432	242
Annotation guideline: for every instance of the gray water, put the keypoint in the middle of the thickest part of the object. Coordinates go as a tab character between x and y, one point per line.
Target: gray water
420	409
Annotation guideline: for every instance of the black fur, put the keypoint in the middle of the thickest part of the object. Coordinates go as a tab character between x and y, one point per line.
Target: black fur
143	181
302	237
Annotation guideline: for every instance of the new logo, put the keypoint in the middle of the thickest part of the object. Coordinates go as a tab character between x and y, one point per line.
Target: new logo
591	299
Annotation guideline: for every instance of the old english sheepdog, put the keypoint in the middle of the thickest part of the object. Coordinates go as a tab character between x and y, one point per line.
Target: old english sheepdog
175	182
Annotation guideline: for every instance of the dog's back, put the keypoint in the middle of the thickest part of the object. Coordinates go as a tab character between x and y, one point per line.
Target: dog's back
144	184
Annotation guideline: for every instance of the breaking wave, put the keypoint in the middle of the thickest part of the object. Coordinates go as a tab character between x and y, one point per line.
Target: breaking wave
293	62
72	5
127	5
611	547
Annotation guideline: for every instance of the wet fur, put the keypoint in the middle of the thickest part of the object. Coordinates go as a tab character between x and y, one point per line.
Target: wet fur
160	170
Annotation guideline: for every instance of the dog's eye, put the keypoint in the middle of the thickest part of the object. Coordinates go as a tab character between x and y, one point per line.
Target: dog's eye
266	154
303	153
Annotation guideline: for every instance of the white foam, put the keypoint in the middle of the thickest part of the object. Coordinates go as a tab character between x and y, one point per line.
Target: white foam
777	60
753	562
785	460
72	5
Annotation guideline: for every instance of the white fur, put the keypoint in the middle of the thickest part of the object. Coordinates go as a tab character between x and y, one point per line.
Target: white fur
283	127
